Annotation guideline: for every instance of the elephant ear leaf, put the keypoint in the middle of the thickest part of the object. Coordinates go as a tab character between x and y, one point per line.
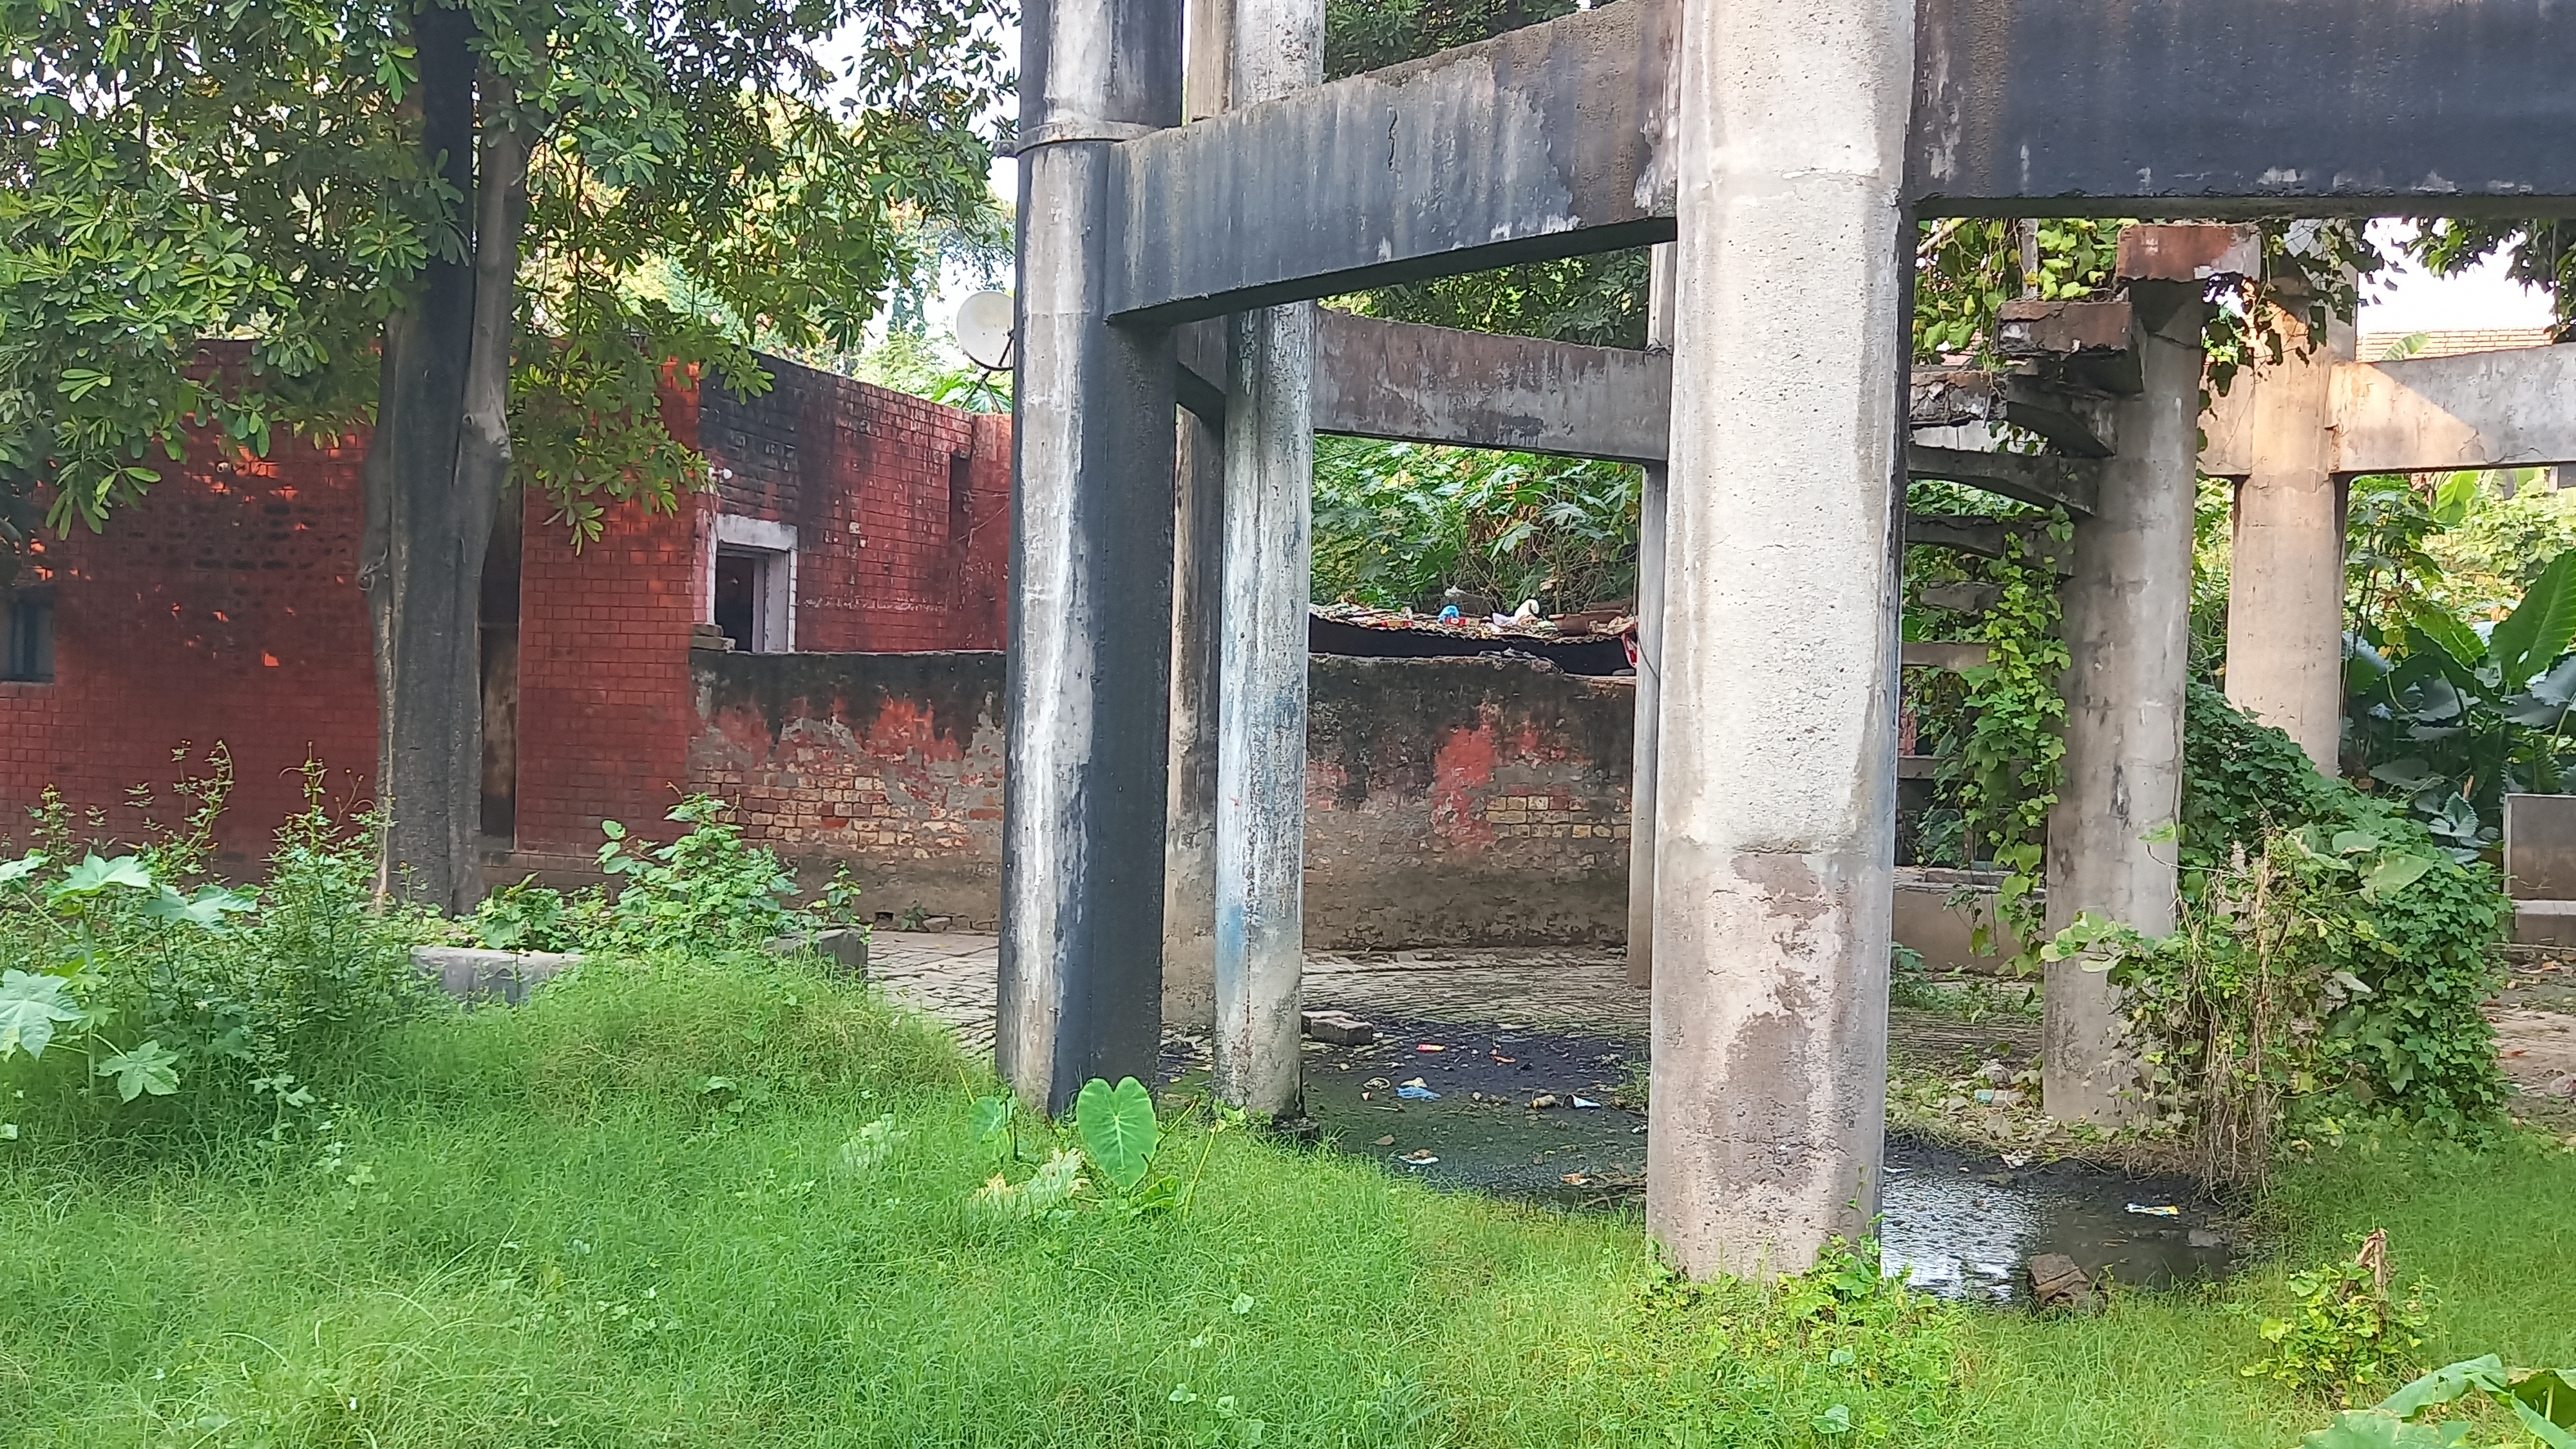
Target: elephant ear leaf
2457	641
2540	627
1117	1128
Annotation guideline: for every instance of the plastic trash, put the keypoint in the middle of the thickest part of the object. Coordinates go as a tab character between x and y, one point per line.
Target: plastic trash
1448	613
1585	1102
1419	1157
2156	1210
1416	1092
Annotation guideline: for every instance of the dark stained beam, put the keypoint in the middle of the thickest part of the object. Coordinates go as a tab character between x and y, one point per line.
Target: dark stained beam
1543	143
2044	479
2240	108
1984	537
1548	142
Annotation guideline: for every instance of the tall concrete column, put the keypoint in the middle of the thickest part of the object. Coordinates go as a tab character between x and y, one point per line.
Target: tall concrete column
1091	571
2285	574
1775	788
1198	572
1189	842
1261	712
2128	641
1651	504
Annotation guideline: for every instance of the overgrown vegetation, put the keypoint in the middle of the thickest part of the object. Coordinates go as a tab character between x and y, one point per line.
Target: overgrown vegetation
731	1199
705	890
2328	969
1397	524
137	992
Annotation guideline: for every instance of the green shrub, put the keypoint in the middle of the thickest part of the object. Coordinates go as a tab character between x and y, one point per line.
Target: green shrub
2330	962
134	988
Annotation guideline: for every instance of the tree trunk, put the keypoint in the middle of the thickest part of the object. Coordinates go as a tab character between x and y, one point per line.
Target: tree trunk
433	476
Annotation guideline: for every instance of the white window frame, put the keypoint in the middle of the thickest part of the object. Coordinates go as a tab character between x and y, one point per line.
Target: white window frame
773	619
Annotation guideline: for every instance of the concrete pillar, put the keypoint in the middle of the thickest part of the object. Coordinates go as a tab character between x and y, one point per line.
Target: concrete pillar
2285	574
1261	711
2128	641
1650	634
1091	572
1189	841
1775	788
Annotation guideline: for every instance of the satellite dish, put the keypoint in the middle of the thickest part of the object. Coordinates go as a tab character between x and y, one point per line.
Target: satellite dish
984	334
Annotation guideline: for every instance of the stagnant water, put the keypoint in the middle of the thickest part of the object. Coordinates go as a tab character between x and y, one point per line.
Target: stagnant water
1959	1225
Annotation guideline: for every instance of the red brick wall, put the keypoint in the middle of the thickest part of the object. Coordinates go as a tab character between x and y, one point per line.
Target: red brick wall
901	507
1449	801
223	609
604	714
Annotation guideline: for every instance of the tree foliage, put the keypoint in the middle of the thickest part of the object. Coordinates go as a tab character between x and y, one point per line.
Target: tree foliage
177	174
1398	523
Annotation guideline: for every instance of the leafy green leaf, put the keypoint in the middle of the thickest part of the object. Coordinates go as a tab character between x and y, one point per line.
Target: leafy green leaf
30	1006
2379	1429
2543	1429
2445	632
151	1068
2552	1392
989	1117
207	908
2394	872
94	875
1118	1129
2540	627
2446	1384
20	868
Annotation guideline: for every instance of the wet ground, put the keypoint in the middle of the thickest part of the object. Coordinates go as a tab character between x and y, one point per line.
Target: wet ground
1455	1106
1562	1027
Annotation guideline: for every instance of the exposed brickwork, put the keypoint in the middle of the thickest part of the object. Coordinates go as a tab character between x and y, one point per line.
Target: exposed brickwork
222	609
901	507
604	674
225	608
1448	800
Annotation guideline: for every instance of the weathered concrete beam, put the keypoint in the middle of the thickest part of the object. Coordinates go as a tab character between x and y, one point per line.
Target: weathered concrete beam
2512	409
2217	108
1983	537
2045	479
1404	381
1550	141
1943	654
2504	409
1543	143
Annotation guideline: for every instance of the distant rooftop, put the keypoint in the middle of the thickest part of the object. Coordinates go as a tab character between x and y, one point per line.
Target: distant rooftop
2372	346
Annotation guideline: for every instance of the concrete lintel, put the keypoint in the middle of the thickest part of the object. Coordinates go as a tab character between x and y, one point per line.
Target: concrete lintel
1412	383
2508	409
2031	327
2044	479
2501	409
1546	142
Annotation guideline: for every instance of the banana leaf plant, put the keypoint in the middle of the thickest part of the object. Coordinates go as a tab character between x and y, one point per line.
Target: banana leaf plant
2455	716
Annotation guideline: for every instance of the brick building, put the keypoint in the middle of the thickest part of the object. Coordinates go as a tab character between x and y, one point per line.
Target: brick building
224	610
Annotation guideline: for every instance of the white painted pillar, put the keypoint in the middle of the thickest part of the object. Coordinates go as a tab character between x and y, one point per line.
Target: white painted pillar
2128	641
1651	506
1776	775
1261	714
2285	574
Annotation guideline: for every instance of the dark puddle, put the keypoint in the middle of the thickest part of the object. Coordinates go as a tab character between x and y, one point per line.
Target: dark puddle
1960	1225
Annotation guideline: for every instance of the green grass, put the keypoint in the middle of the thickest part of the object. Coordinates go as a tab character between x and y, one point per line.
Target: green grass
543	1229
